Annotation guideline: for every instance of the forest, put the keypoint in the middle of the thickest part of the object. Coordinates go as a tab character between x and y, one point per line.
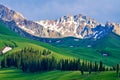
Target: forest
31	60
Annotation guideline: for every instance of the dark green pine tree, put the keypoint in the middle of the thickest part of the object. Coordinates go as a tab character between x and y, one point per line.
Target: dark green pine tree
101	66
82	72
90	67
24	67
82	68
78	64
96	67
117	70
3	63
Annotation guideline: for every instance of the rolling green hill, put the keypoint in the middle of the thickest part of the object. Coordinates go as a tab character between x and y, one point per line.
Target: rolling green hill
92	50
6	31
16	74
109	41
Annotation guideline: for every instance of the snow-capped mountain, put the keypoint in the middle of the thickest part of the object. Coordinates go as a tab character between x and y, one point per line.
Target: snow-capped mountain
76	26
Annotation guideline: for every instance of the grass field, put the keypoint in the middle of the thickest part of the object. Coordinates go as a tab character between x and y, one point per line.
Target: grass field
15	74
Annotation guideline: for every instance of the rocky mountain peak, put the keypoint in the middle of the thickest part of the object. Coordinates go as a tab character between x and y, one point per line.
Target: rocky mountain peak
78	26
8	15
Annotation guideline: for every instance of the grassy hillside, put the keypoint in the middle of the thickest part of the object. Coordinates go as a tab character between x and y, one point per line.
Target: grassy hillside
91	49
15	74
21	43
6	31
110	41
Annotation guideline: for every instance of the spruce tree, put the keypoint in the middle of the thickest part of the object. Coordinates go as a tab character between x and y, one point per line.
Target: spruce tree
101	66
90	68
96	67
117	70
82	68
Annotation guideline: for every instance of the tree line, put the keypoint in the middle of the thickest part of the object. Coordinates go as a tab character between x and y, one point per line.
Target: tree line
30	60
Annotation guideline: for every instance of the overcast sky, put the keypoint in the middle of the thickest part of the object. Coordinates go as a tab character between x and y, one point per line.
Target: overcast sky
100	10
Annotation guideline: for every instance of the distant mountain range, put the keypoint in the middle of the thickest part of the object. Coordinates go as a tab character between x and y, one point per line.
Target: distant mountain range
78	26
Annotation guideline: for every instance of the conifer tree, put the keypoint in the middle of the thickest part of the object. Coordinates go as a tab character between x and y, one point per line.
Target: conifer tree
90	68
96	67
117	70
101	66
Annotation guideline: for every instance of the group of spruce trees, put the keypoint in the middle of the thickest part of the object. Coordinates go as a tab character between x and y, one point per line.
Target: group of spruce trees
117	70
30	60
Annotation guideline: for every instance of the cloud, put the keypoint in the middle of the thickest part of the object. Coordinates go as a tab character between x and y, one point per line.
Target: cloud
101	10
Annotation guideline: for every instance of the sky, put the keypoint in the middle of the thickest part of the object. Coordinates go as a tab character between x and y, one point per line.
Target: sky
100	10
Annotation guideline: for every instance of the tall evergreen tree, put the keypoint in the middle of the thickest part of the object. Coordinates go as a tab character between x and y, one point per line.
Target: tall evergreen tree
90	68
82	68
96	67
117	70
101	66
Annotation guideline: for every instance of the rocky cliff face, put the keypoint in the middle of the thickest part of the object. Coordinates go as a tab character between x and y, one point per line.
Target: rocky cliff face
116	28
76	26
